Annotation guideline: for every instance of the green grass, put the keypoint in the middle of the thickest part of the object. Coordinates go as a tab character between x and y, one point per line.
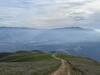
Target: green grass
28	64
82	66
44	64
77	59
27	57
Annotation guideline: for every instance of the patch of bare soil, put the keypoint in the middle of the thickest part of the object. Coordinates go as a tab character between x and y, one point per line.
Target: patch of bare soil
64	69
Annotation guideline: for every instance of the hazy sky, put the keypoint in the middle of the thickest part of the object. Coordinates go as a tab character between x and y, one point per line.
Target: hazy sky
50	13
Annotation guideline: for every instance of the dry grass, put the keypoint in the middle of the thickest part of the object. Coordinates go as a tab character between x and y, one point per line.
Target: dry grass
28	68
82	66
28	64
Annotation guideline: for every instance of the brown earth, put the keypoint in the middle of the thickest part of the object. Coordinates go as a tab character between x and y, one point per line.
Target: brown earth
64	69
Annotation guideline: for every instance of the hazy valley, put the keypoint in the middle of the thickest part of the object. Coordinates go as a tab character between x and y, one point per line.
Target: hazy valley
71	40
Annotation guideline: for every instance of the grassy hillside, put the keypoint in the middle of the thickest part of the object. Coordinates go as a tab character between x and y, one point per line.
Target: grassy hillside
82	66
24	57
40	63
28	64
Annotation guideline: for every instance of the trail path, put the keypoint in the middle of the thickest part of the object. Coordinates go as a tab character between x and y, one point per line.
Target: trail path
64	69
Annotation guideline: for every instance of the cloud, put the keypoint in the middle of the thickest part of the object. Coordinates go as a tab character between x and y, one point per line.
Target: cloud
48	13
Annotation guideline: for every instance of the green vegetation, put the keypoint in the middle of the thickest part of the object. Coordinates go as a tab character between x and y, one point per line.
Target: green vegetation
39	63
27	57
82	66
77	59
28	64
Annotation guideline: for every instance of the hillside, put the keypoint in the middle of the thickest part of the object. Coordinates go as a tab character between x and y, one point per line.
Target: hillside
37	63
81	66
28	64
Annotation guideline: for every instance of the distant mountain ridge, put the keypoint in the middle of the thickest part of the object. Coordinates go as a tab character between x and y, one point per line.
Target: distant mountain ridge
73	27
72	40
81	28
77	28
16	28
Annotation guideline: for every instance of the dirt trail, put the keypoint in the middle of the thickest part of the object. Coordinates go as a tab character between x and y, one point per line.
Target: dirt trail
64	69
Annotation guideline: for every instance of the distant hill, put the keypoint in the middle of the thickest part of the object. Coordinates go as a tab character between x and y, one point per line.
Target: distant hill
72	28
72	40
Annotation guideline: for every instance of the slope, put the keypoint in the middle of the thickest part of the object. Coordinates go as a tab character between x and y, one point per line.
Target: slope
28	64
81	66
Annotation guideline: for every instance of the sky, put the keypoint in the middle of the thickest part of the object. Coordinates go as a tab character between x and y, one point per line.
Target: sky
50	13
